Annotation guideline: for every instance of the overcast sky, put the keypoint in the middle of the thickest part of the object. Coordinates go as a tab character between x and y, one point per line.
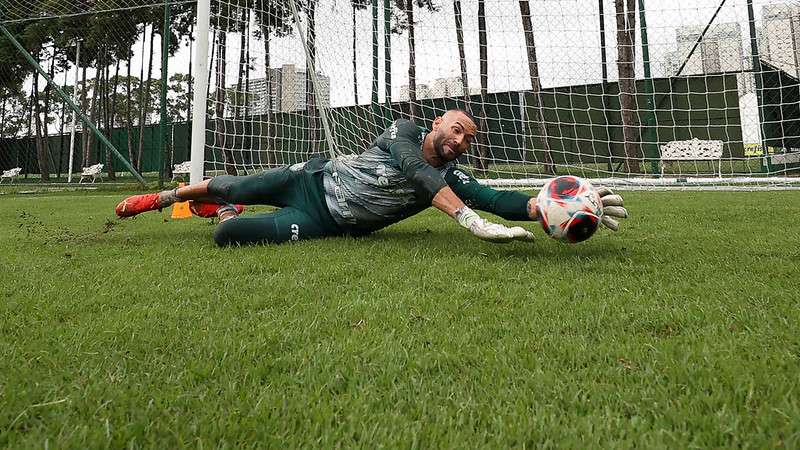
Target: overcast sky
566	32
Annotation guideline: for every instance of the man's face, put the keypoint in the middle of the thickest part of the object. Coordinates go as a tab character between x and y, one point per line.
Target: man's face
453	134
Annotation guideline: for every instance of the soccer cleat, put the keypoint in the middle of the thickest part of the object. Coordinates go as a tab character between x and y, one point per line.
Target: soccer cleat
204	209
137	204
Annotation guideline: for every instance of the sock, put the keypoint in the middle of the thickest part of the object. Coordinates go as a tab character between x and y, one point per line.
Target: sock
167	198
226	212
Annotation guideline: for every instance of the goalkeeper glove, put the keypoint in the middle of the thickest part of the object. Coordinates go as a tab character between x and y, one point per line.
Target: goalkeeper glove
488	231
612	208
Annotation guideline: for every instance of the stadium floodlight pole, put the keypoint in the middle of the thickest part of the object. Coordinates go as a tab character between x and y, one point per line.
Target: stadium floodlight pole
74	115
200	92
65	98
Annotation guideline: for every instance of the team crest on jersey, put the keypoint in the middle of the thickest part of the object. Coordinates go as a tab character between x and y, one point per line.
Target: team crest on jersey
381	172
462	177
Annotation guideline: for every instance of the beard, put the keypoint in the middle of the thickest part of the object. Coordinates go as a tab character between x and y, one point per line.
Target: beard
438	146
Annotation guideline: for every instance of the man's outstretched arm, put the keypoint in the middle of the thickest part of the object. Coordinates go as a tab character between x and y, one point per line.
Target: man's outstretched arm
448	202
513	205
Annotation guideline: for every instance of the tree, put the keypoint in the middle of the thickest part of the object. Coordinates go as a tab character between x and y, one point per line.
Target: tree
626	52
408	7
482	144
311	64
536	85
461	52
272	17
356	5
179	106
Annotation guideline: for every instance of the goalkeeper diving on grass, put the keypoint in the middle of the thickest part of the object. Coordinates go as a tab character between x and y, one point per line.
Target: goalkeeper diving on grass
404	171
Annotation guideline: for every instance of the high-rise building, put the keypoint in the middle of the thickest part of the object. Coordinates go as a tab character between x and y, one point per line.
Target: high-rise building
288	91
441	87
780	33
719	51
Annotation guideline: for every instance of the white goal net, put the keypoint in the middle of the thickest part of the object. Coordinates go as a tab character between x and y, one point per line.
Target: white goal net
634	92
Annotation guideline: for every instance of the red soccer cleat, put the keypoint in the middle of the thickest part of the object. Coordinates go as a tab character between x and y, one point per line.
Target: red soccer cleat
203	209
136	204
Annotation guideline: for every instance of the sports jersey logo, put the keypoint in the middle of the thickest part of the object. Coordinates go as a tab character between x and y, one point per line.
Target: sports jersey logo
381	172
462	177
295	232
393	131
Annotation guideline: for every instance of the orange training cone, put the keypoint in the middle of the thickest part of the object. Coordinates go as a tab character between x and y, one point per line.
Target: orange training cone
180	210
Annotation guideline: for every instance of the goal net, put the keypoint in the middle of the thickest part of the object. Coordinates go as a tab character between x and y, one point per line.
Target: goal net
631	92
682	93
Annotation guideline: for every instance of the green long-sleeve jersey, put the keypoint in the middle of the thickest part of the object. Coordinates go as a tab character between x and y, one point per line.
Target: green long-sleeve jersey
391	181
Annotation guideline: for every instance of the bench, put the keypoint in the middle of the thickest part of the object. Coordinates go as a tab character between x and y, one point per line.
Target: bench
94	172
10	174
692	150
178	170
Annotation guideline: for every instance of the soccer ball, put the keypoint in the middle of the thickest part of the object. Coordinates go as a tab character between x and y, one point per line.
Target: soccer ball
569	209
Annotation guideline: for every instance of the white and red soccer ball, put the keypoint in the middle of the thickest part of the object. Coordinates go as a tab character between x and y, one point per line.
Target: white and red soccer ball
569	209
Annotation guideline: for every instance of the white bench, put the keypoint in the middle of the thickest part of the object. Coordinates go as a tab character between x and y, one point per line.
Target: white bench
178	170
94	172
692	150
10	174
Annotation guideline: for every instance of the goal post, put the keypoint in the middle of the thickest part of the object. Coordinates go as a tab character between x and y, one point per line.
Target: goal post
601	92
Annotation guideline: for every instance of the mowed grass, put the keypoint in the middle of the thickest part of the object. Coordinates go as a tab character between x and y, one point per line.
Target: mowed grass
680	331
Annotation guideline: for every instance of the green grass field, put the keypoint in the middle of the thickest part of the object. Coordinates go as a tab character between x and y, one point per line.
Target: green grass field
680	331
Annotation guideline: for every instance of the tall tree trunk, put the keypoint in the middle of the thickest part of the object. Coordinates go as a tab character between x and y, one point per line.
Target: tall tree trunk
31	134
112	113
145	108
462	59
412	64
536	84
238	102
247	68
41	151
3	118
237	95
88	152
355	61
219	127
626	40
360	127
269	142
47	98
84	107
189	97
61	127
249	145
311	103
481	162
128	115
101	101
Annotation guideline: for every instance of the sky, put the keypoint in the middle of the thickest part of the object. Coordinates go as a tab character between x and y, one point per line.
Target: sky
566	32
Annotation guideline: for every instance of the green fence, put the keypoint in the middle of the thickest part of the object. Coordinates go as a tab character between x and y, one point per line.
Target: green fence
583	125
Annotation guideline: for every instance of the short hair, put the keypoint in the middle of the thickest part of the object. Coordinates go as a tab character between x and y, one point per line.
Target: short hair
466	113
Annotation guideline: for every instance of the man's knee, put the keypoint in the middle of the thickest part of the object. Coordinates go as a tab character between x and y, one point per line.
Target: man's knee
223	186
226	233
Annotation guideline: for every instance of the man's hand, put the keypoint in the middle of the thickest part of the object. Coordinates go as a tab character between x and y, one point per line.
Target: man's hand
612	208
488	231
